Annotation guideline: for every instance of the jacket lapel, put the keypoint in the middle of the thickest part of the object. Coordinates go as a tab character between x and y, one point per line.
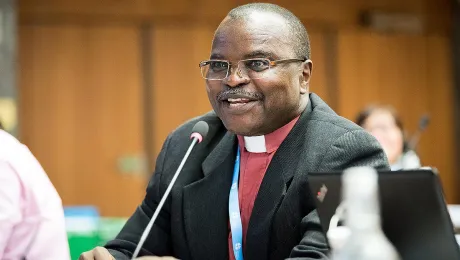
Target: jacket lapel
275	183
206	203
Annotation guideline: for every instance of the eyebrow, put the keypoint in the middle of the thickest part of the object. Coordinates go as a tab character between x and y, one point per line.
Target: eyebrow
254	54
260	54
215	56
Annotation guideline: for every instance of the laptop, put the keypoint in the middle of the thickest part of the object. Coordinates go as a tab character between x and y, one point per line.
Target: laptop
414	214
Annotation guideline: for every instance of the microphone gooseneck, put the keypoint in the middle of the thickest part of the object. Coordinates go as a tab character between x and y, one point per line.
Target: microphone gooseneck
423	124
199	132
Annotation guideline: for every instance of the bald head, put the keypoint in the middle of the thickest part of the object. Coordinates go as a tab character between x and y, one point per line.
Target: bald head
296	30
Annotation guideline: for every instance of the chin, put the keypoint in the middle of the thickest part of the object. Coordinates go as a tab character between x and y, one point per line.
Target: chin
241	128
246	124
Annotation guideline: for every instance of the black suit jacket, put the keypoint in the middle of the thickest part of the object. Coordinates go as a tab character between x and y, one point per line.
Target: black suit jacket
193	223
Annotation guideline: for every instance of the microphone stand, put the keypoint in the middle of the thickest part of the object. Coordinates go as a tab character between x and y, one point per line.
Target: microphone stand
146	232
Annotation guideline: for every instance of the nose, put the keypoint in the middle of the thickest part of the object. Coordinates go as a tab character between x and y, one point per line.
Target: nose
236	77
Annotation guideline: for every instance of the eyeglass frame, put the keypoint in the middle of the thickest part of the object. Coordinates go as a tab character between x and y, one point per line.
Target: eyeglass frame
271	63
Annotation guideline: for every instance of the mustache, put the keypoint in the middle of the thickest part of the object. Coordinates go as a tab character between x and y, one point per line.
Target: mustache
224	95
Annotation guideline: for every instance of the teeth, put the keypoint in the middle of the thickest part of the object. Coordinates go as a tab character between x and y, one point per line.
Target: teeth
234	100
238	100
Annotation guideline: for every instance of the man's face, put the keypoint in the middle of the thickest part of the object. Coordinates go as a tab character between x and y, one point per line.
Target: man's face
257	106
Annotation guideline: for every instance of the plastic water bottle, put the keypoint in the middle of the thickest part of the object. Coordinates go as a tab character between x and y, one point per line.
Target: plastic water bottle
364	238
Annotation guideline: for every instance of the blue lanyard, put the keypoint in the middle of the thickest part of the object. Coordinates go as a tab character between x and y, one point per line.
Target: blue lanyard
234	212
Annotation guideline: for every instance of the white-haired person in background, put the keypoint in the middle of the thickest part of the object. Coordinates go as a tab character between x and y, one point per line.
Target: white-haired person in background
32	224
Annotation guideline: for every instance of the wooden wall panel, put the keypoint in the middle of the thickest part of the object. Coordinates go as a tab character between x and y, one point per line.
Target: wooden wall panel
48	58
179	90
81	110
341	14
319	82
123	10
442	151
412	74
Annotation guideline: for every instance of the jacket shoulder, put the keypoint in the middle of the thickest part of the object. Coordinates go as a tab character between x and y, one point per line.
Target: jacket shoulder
326	118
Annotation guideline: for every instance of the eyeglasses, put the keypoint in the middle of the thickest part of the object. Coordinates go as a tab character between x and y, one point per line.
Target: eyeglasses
252	68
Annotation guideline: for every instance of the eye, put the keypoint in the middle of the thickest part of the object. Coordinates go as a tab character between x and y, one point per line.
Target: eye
218	65
257	64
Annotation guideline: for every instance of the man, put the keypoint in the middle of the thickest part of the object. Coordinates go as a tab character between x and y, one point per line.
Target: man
32	222
257	81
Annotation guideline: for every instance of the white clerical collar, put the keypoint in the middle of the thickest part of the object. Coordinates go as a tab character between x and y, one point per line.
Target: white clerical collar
255	144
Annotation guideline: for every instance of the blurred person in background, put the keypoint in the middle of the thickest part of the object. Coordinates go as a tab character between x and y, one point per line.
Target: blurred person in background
32	224
384	124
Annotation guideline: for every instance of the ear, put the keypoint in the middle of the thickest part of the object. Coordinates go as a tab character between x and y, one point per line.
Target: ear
306	75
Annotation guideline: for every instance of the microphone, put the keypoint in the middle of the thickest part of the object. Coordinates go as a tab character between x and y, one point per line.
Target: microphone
422	125
199	132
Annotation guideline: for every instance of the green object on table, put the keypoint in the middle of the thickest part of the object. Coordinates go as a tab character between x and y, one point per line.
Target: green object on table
81	242
109	228
88	237
86	229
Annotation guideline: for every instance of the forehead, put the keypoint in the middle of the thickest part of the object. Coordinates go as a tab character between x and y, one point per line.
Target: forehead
258	35
380	117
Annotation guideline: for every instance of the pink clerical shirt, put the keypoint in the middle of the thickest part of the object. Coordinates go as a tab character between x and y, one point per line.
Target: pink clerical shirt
31	215
252	170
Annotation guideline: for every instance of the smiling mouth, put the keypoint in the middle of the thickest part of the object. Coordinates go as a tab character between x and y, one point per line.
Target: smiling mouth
238	106
238	103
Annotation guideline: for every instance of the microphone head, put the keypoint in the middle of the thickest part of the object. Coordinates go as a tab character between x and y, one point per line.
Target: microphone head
424	121
199	131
